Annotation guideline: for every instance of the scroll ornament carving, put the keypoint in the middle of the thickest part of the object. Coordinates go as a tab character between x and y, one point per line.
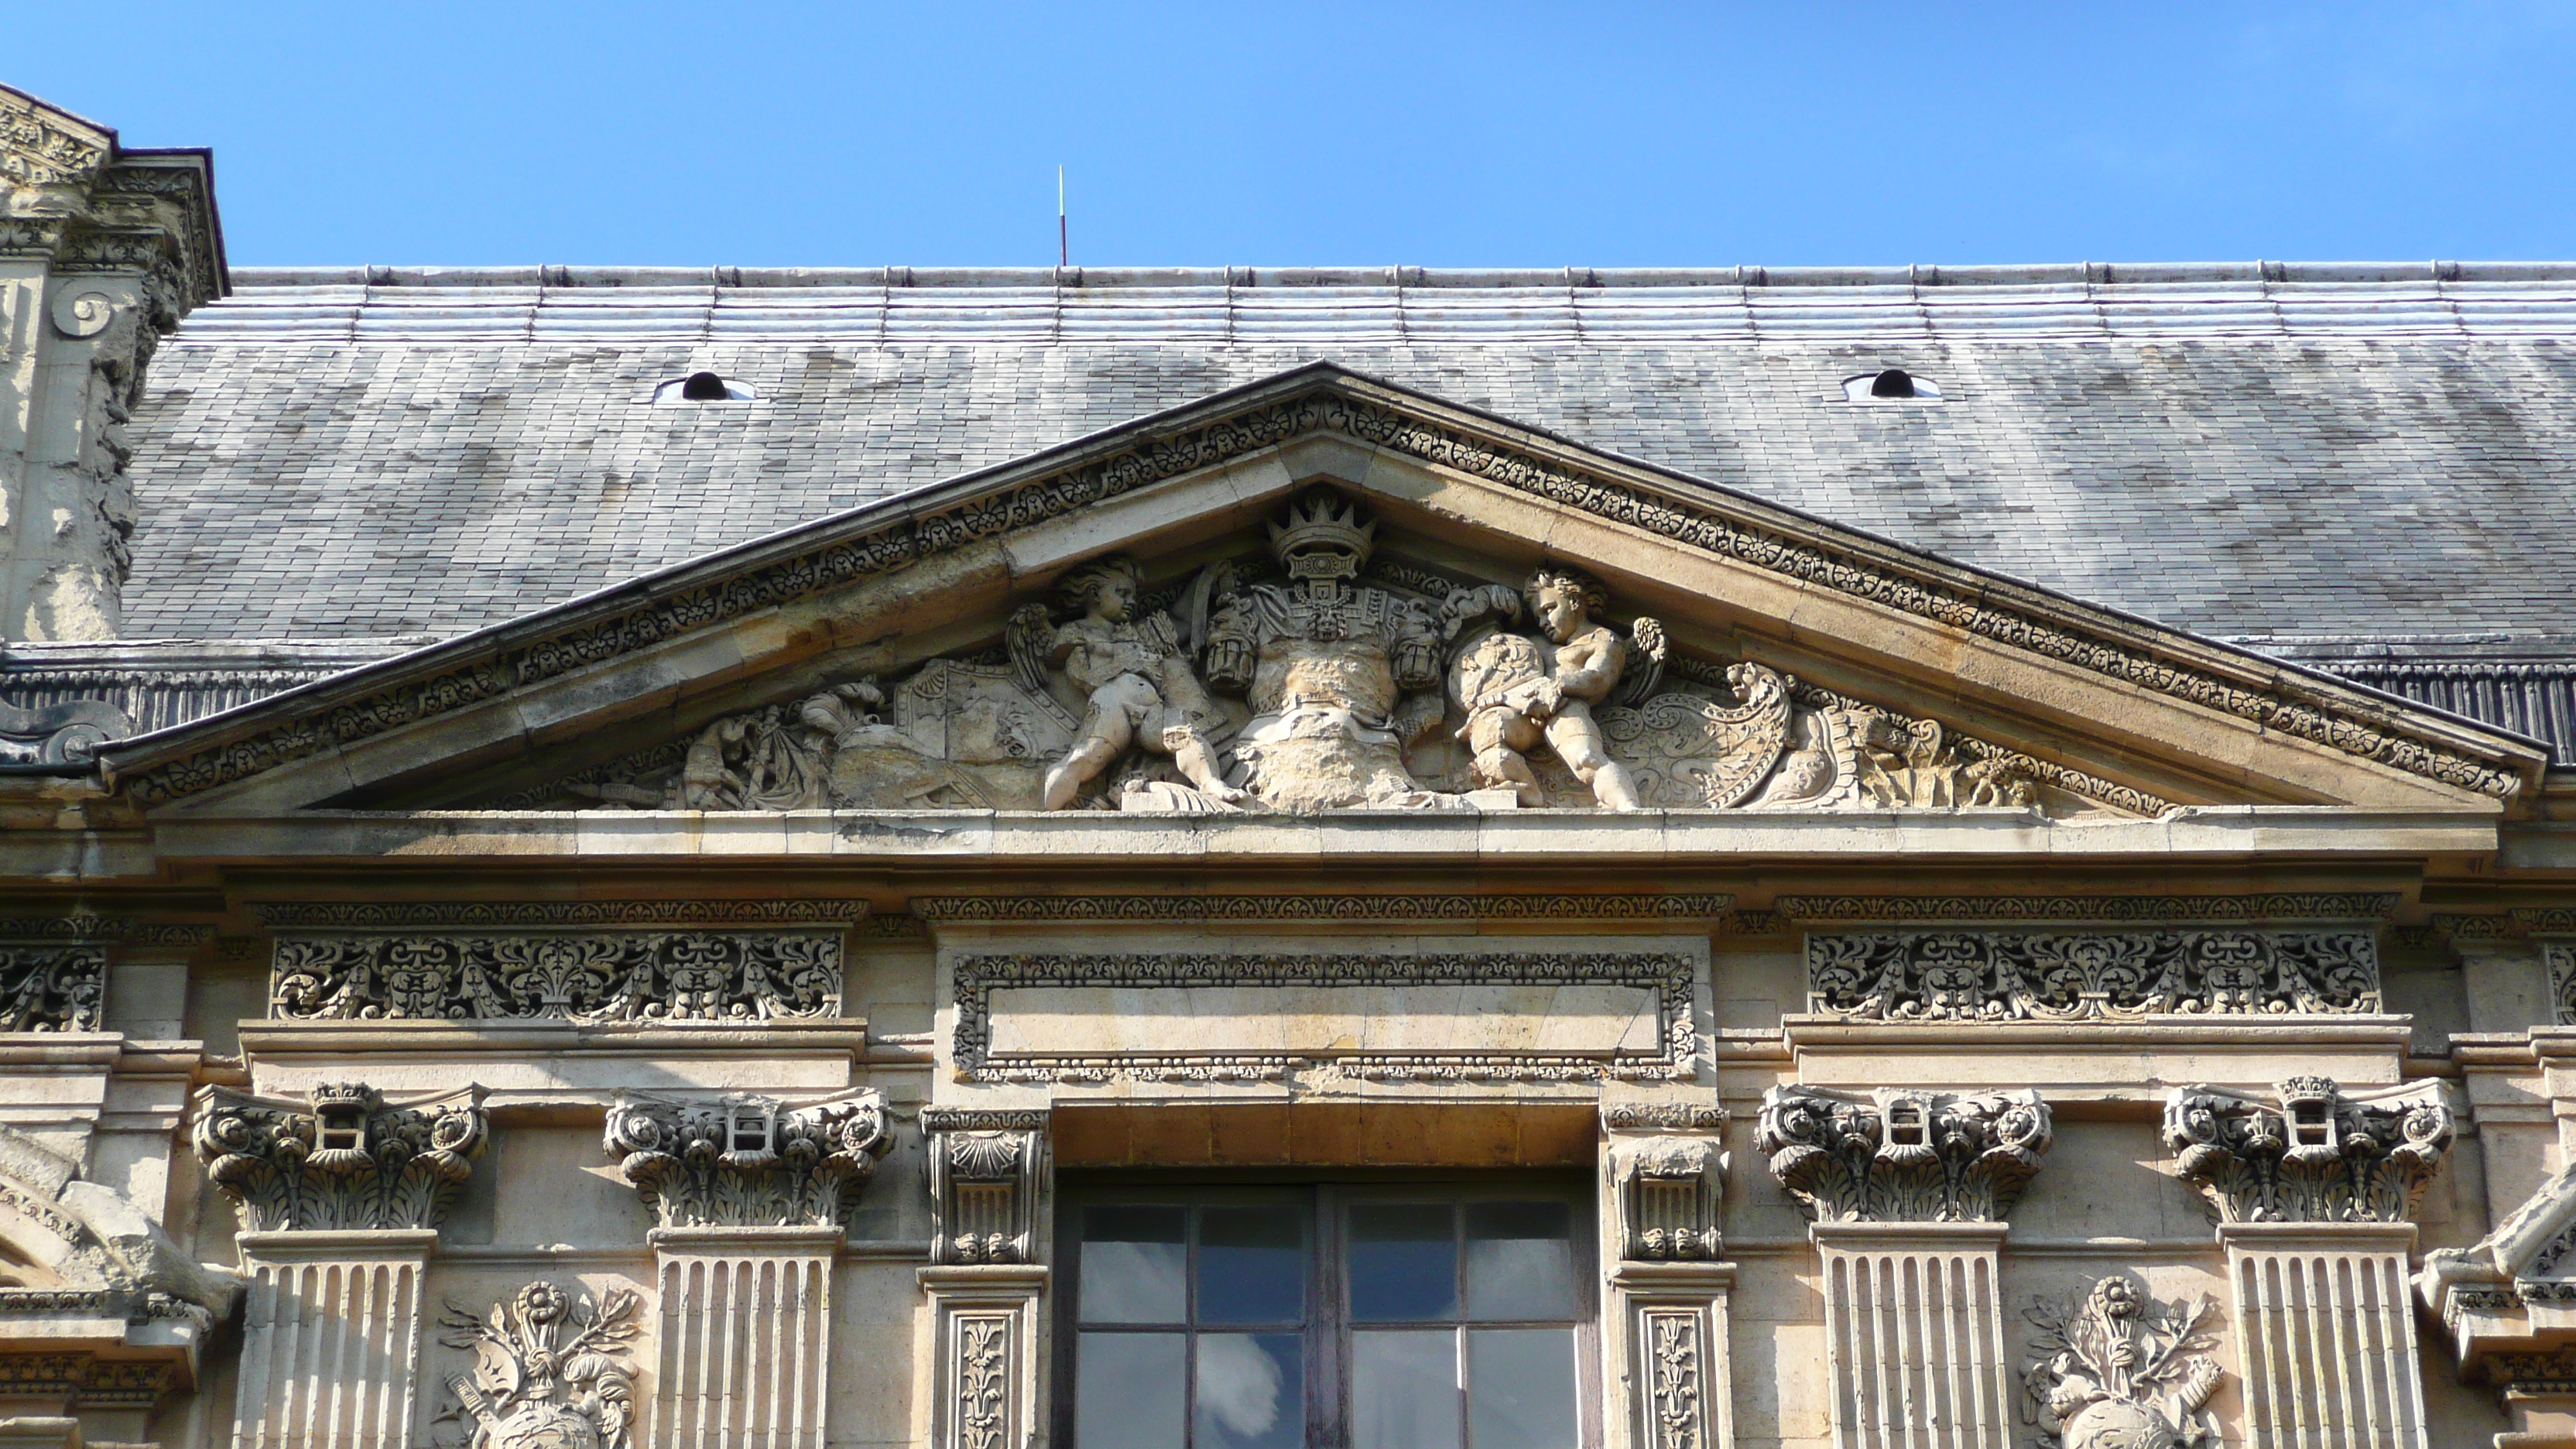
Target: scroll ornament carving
1897	1155
641	977
549	1370
2090	975
344	1159
747	1160
2113	1369
68	733
45	987
1320	688
2314	1155
985	1172
2561	956
1674	1377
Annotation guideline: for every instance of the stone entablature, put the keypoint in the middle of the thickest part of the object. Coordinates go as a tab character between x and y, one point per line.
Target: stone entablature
588	963
1898	1155
343	1159
2312	1153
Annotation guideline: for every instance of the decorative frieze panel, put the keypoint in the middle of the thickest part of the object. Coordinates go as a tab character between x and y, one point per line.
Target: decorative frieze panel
987	1171
636	977
1626	1015
1901	1155
48	987
747	1160
550	1368
1999	975
2113	1369
2561	956
2313	1154
343	1159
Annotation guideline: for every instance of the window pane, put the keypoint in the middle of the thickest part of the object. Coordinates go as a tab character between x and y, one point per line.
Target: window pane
1404	1389
1404	1263
1520	1260
1131	1265
1127	1391
1252	1392
1252	1265
1520	1388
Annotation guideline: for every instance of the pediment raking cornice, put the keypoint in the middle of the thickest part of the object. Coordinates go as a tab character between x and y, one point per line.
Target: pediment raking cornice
1232	427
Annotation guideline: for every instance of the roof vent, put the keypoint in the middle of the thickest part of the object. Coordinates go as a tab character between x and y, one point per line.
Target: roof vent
1893	385
701	387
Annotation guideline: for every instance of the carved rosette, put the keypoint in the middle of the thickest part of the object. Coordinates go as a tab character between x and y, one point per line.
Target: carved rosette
986	1171
2312	1154
1900	1155
344	1158
1668	1173
2000	975
747	1160
2110	1368
549	1370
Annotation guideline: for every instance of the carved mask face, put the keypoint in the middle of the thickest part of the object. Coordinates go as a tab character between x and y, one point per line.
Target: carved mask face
1560	612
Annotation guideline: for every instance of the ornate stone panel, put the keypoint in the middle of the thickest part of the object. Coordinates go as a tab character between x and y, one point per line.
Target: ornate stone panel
50	987
749	1161
1654	988
343	1159
2313	1154
2111	1368
2561	956
1901	1155
551	1367
988	1170
1663	1168
2073	975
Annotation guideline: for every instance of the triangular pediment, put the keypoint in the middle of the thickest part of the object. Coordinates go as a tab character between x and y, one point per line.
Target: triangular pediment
1329	605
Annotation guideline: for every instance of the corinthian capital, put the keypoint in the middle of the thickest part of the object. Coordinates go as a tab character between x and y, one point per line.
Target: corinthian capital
749	1161
2311	1153
342	1158
1901	1155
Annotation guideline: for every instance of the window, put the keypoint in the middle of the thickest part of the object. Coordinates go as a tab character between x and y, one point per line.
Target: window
699	387
1892	384
1425	1317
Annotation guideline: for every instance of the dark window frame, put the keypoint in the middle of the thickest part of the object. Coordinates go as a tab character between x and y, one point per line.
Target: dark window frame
1326	1337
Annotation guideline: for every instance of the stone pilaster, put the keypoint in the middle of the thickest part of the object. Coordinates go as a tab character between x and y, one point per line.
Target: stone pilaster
752	1192
991	1178
2314	1189
101	252
1908	1191
1663	1175
342	1195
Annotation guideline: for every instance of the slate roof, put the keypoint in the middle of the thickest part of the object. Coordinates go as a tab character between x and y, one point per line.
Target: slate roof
2333	461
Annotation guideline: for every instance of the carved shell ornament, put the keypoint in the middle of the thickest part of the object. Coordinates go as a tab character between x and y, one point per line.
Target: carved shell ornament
1299	678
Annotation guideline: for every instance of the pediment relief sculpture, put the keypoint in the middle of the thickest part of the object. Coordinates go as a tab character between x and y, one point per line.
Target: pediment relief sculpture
1312	676
71	1246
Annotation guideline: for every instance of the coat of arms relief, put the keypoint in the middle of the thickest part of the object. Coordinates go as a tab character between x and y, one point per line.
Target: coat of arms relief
1302	679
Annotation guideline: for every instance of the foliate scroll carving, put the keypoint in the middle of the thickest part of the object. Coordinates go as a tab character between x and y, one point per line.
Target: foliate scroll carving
1676	1379
587	977
987	1169
2561	956
550	1370
2312	1154
1958	975
2113	1369
747	1160
1898	1155
1668	1174
344	1158
41	146
48	987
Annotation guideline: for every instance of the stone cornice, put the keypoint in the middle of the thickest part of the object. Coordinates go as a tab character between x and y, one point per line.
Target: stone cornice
43	145
404	916
2307	906
1319	399
1055	909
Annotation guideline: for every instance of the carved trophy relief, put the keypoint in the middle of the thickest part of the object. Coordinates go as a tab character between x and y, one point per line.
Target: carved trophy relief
1320	678
2111	1368
550	1370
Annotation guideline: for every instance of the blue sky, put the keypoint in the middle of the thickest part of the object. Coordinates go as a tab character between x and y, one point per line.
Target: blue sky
1328	133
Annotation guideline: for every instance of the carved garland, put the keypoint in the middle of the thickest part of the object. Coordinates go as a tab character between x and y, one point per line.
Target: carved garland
2286	708
1669	977
2090	975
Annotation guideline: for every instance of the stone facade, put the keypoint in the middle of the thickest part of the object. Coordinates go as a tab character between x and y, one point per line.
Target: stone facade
1163	937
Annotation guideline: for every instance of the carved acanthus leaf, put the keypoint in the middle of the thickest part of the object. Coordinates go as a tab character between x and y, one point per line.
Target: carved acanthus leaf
2313	1153
1898	1155
747	1160
1668	1176
344	1158
47	987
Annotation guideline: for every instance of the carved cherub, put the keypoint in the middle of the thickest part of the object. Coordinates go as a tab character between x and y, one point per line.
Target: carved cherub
1137	677
1521	692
